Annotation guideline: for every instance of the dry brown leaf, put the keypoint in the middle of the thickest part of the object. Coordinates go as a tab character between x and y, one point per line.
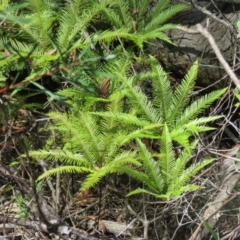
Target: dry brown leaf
100	222
6	52
96	167
50	52
82	194
73	55
135	10
134	23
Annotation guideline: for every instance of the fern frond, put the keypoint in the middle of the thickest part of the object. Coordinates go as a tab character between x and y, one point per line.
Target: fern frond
182	94
162	91
93	178
142	6
16	47
93	133
154	20
124	158
188	188
139	175
159	7
74	18
194	127
64	169
166	157
41	20
75	134
144	104
181	135
119	68
123	11
113	17
151	35
181	161
110	35
200	129
139	133
187	174
198	106
142	190
124	137
151	167
62	156
123	118
199	121
158	33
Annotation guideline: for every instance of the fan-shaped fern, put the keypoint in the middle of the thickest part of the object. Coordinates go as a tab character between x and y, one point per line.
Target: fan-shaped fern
97	134
96	142
168	106
166	177
141	19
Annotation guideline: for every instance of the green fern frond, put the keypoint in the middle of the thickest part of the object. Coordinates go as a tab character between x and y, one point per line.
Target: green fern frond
200	129
155	20
76	135
64	169
181	96
123	10
185	189
144	104
74	19
142	22
120	117
16	47
93	178
119	68
166	157
156	34
41	19
200	121
198	106
142	6
151	167
142	190
181	136
144	132
124	158
110	35
138	175
181	162
113	17
163	5
187	174
195	126
162	91
160	36
62	156
93	133
166	27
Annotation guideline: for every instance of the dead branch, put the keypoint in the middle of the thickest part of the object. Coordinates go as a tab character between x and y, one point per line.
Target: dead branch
49	221
219	55
228	1
213	16
230	179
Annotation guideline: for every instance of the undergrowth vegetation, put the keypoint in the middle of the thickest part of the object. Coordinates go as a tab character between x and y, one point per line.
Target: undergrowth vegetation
108	139
102	120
